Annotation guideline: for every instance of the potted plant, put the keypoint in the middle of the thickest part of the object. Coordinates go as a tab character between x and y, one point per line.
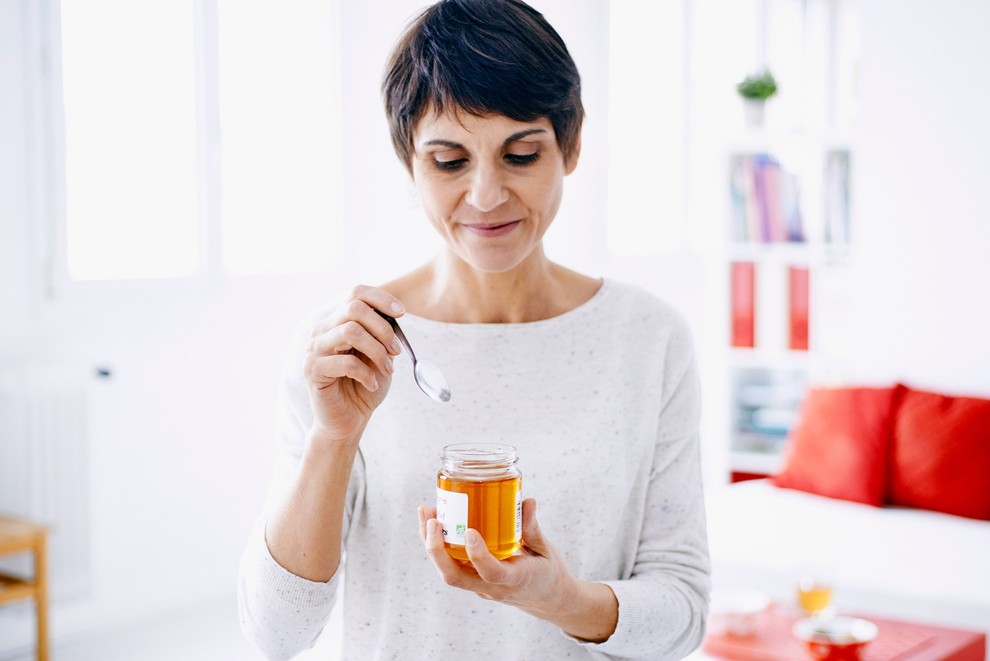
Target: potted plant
755	89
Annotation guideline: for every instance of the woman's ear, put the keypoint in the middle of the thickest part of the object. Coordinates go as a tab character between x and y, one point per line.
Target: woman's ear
570	163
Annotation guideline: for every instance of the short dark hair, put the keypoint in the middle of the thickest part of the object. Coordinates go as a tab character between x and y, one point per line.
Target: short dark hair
485	57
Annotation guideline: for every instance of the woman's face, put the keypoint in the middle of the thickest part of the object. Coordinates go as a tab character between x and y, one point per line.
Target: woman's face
490	185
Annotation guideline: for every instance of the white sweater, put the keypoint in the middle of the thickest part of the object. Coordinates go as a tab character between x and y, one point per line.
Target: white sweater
602	403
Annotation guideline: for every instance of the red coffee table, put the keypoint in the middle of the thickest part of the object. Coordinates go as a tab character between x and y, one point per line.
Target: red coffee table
903	641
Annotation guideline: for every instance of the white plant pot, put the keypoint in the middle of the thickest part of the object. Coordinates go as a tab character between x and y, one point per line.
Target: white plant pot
754	111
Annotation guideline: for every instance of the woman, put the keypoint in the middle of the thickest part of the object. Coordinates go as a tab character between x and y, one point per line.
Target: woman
592	380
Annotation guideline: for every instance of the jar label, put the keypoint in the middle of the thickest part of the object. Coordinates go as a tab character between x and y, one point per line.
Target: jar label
452	513
519	499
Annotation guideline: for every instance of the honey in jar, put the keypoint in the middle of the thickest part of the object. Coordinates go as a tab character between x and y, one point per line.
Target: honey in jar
479	486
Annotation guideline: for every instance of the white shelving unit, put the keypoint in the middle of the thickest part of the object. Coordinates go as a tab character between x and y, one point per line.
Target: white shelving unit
765	382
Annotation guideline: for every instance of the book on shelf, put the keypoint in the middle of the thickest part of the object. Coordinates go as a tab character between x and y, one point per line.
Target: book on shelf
791	209
766	405
743	304
744	208
760	165
799	305
765	201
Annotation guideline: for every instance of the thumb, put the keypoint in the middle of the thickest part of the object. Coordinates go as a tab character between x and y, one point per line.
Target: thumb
532	536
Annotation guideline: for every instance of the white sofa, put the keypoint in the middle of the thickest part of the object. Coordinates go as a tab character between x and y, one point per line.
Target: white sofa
904	563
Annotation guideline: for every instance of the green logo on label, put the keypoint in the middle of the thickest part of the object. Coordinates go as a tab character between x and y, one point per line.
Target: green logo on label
460	529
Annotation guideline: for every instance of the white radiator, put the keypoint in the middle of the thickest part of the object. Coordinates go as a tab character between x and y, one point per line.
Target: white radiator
44	468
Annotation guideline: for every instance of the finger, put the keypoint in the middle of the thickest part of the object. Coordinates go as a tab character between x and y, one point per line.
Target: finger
374	297
324	370
430	512
532	536
422	517
489	568
365	314
360	307
379	299
453	573
434	543
351	336
425	514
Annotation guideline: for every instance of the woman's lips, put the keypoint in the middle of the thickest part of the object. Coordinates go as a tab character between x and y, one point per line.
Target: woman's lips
493	230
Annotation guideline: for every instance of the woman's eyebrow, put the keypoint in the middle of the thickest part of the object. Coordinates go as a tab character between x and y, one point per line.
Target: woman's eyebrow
522	134
450	144
444	143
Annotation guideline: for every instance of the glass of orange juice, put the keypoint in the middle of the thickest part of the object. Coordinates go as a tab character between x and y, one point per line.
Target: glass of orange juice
814	592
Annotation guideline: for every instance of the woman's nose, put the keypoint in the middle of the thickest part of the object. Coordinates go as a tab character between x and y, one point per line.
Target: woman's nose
487	190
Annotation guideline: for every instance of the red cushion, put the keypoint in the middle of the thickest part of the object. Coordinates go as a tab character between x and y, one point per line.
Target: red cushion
839	447
940	454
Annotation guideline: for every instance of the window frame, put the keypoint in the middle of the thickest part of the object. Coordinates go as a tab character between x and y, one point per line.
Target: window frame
46	154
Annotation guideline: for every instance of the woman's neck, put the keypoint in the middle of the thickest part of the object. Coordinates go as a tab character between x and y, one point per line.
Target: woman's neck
448	289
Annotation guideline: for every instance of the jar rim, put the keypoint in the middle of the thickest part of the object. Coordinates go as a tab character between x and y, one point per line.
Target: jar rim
482	451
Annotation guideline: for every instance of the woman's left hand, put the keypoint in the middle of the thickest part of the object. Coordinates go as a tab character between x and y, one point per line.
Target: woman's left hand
536	580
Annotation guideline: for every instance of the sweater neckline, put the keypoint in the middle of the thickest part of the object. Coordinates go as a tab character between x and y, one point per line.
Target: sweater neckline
584	308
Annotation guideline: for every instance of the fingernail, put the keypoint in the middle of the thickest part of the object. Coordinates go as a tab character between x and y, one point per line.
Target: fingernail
396	347
431	527
389	367
473	537
374	385
397	307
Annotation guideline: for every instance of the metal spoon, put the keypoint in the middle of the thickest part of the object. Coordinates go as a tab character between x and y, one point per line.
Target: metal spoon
428	376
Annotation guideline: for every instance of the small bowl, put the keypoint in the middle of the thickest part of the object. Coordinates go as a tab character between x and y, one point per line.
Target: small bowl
735	612
835	638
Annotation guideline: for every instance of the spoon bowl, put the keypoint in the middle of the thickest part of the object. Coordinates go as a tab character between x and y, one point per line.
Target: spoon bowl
431	380
427	375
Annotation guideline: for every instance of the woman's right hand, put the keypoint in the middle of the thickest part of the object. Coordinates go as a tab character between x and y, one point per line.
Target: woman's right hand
348	364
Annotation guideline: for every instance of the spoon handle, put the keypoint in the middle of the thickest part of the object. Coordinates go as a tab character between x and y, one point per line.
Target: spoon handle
398	333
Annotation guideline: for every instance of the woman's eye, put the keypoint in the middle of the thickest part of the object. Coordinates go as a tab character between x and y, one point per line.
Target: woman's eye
453	164
522	159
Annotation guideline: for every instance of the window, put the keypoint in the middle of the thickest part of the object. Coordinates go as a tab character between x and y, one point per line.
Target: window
199	136
646	128
130	153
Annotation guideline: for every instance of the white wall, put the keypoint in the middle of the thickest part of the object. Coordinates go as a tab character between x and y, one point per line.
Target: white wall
921	301
14	237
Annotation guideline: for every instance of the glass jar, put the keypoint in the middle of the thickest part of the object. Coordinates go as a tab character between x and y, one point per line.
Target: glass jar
479	486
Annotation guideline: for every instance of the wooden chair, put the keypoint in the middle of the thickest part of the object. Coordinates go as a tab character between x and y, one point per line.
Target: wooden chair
18	536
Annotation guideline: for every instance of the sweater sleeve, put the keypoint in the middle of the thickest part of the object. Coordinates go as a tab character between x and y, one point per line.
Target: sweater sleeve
280	613
663	605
